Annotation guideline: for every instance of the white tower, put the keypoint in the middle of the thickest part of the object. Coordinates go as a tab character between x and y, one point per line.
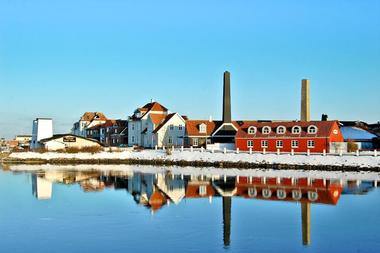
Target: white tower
42	129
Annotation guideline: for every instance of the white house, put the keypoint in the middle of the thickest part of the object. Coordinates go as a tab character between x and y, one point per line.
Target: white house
169	132
88	120
42	129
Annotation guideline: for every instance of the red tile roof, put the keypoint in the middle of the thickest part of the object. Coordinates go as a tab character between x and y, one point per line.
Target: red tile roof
90	116
192	127
157	118
324	128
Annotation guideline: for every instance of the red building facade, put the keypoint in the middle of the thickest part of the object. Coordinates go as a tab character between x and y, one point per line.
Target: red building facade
285	136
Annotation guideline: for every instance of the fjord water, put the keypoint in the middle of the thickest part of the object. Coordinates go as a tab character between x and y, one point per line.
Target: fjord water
105	211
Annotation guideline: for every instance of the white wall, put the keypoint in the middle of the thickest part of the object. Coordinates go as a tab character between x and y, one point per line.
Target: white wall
176	134
42	129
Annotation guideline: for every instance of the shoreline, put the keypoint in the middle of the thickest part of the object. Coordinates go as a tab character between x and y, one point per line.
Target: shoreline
183	163
202	159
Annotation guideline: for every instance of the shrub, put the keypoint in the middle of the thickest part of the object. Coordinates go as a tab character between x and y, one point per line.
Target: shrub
352	146
74	150
168	151
40	150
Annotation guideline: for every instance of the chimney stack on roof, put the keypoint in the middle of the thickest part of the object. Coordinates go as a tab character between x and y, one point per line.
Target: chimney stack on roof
305	100
226	98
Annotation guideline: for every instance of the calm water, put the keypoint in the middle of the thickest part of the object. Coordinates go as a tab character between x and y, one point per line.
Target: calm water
59	210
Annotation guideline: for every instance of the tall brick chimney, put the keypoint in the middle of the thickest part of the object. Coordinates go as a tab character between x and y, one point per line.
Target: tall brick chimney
305	100
226	98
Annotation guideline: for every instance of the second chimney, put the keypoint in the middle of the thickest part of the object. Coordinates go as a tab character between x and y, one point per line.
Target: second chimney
226	98
305	100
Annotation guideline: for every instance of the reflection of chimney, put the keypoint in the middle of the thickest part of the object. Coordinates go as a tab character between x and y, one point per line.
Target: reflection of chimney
226	98
227	221
305	100
305	209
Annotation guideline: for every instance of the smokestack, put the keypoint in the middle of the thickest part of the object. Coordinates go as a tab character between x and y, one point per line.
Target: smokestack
305	100
226	98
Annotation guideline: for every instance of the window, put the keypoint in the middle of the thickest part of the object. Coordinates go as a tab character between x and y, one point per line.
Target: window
266	130
251	130
202	128
264	144
310	144
279	144
202	190
281	130
180	127
312	130
294	144
250	144
171	127
133	126
133	139
195	142
170	141
296	130
115	131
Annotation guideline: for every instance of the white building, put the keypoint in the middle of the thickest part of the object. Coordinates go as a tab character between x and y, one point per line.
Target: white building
42	129
153	125
63	141
88	120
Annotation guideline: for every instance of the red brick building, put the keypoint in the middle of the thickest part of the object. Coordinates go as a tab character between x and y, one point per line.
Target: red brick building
285	136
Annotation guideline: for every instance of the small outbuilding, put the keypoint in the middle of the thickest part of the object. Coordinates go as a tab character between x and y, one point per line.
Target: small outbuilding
63	141
363	138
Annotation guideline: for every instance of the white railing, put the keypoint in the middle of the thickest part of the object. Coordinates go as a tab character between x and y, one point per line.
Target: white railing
278	152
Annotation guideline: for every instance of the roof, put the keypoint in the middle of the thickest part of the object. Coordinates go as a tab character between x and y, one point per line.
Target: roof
356	133
109	123
153	106
192	127
90	116
57	136
167	118
157	118
324	128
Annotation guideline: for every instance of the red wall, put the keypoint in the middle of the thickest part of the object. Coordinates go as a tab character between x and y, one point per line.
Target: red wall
320	144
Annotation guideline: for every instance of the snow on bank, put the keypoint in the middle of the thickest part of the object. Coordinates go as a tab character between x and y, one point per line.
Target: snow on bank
357	161
206	171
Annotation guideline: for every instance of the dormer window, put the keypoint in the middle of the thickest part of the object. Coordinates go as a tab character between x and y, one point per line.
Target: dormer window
281	130
251	130
266	130
312	130
202	128
296	130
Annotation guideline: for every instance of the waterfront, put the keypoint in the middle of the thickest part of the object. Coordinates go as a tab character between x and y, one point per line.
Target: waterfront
143	208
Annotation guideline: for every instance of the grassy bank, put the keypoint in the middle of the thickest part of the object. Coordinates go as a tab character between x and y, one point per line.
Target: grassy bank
161	162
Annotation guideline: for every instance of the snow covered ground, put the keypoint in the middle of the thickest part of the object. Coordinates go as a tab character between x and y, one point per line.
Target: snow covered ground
197	155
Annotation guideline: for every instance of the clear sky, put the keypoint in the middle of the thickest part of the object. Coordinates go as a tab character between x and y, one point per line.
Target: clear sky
61	58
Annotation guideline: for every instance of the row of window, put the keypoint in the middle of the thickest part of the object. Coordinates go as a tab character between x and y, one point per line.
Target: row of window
282	130
171	127
280	144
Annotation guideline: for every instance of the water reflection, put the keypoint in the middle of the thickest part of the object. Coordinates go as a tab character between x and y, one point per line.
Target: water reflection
155	191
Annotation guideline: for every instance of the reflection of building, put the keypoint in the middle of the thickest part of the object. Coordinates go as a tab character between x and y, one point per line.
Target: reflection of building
155	191
41	187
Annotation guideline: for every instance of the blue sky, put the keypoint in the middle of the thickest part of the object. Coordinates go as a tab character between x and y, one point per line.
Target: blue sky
61	58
